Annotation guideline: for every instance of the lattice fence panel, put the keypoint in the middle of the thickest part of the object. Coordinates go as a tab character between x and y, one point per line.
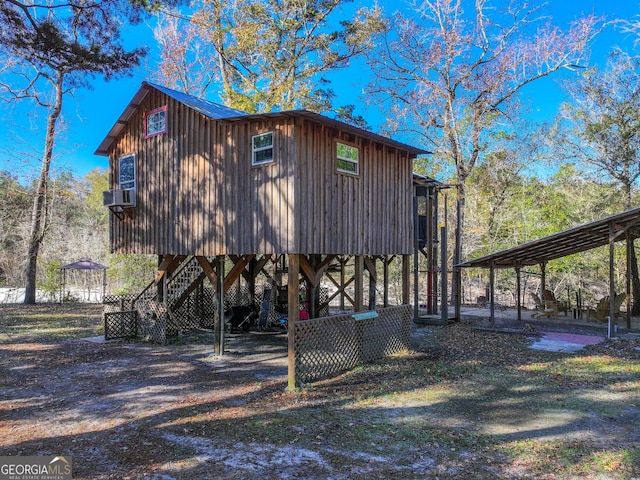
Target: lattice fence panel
118	303
152	322
326	346
207	308
185	318
120	324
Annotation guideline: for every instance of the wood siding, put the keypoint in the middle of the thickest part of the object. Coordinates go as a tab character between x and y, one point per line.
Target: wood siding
197	192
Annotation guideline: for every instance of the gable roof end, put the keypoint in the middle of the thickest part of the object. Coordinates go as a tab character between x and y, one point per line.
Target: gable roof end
210	109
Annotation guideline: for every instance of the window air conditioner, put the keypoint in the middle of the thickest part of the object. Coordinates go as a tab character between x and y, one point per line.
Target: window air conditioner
119	198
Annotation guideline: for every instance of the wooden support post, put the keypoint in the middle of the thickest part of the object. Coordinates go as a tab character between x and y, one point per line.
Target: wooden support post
385	273
406	283
359	280
370	264
218	327
343	265
253	273
293	281
160	284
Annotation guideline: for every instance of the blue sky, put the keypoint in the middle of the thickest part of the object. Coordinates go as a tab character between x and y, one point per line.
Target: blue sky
90	113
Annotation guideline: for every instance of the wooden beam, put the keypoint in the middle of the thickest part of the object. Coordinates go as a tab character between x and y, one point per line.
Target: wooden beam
208	270
195	284
163	268
236	271
261	263
369	264
340	289
314	275
306	269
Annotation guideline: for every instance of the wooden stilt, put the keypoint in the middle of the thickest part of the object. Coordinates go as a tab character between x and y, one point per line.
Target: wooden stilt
293	276
359	286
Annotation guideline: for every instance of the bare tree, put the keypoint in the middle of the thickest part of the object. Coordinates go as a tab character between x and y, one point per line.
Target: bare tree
47	50
451	75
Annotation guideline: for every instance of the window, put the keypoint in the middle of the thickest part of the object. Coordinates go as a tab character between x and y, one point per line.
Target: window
262	148
347	158
127	172
156	122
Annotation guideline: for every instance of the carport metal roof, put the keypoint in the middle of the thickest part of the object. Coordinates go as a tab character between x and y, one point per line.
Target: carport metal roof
574	240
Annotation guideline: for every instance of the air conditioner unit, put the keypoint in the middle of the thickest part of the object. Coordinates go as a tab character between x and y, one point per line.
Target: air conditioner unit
119	198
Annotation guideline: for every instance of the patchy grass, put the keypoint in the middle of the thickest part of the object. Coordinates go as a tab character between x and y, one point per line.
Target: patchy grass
49	322
461	404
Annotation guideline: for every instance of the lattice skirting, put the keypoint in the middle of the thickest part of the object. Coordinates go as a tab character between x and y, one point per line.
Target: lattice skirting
118	303
329	345
152	327
120	324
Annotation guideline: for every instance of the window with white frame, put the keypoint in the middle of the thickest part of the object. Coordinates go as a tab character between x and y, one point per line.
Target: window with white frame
262	148
156	122
347	158
127	172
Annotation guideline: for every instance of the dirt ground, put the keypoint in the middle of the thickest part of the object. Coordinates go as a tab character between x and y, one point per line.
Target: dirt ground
461	404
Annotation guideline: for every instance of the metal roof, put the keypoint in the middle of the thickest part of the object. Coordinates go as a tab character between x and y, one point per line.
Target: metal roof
83	265
574	240
220	112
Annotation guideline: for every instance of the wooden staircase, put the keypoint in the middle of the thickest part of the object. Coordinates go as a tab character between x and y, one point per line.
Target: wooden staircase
156	315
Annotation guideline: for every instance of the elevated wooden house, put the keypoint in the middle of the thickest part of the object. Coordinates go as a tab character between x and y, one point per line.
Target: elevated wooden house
196	182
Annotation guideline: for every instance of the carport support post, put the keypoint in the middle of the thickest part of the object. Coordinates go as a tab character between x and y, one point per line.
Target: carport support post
492	305
293	315
543	277
628	276
518	294
444	310
416	257
612	290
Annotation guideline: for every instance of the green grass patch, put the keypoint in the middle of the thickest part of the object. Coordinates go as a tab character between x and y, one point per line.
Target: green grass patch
573	459
49	322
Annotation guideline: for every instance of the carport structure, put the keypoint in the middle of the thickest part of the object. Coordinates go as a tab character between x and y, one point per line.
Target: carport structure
607	231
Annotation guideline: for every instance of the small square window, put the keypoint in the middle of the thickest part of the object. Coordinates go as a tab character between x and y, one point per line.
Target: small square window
262	148
156	122
347	158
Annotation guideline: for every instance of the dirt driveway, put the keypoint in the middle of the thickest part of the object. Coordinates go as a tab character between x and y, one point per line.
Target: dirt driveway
462	404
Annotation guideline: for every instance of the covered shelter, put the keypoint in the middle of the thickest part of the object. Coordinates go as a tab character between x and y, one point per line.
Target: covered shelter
624	226
92	275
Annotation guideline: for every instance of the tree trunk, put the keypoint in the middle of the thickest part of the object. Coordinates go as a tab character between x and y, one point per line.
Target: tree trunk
39	218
